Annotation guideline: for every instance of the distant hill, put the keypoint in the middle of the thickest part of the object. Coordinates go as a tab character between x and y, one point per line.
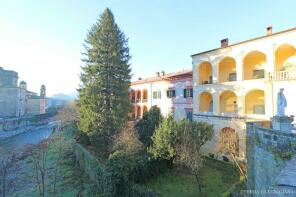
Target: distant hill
65	97
60	99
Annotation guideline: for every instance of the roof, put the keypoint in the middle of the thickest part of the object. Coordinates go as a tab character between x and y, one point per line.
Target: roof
250	40
166	77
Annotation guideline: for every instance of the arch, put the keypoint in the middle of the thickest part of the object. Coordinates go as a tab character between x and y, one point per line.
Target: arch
132	112
255	102
228	102
282	53
132	95
227	69
205	102
205	73
145	109
145	95
254	65
229	141
138	96
138	111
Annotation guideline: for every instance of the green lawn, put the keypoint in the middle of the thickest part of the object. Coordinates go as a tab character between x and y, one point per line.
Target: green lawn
217	177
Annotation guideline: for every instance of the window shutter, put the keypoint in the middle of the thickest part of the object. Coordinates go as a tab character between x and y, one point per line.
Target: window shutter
184	93
174	93
168	93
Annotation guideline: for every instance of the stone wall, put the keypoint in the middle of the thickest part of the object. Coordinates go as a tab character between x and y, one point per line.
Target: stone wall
8	101
94	169
268	151
9	124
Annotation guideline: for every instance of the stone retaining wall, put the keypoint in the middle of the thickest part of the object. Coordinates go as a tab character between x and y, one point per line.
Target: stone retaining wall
268	151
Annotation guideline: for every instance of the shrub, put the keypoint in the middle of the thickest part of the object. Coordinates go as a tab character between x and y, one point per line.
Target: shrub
146	126
225	159
127	141
164	140
120	166
146	168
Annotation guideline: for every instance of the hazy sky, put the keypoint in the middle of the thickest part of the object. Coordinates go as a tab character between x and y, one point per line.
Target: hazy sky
42	40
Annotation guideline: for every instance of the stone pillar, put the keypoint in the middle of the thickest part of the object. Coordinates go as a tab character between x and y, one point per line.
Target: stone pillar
195	73
216	103
239	67
215	71
241	104
195	100
270	59
282	123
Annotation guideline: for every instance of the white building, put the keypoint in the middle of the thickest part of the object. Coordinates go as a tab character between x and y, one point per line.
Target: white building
237	83
172	93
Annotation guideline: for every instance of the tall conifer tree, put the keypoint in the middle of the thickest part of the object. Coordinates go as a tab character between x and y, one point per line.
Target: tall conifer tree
103	101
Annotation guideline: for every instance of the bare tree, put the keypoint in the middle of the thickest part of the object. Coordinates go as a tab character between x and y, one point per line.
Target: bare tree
192	137
4	164
127	140
7	162
68	113
39	157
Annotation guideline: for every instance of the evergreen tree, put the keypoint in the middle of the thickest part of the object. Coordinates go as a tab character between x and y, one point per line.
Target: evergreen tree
103	101
146	126
164	140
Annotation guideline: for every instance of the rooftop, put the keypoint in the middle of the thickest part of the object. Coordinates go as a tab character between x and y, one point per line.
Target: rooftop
250	40
165	77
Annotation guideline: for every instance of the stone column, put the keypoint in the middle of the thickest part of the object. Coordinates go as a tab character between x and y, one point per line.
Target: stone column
239	67
195	73
270	59
216	103
215	71
195	100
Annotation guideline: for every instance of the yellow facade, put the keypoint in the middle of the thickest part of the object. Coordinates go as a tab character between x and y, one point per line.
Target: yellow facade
238	83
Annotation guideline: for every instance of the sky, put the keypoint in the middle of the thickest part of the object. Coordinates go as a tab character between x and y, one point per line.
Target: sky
43	40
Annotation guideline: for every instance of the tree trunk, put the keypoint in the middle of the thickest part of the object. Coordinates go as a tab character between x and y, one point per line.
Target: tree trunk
198	182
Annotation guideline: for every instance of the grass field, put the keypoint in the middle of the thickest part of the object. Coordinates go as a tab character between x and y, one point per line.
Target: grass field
217	177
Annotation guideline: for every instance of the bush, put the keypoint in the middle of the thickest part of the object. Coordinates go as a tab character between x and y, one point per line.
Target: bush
146	126
146	168
120	167
225	159
164	140
80	137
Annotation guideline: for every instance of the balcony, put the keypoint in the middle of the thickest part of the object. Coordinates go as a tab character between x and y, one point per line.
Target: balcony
281	75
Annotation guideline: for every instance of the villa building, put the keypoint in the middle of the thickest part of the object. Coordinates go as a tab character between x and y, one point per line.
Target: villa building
172	93
238	83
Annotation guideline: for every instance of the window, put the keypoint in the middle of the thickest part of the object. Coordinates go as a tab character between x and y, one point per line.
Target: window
259	109
188	93
232	77
156	95
171	93
189	115
257	74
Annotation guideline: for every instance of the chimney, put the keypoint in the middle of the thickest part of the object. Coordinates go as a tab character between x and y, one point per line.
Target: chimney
157	74
224	42
163	73
269	30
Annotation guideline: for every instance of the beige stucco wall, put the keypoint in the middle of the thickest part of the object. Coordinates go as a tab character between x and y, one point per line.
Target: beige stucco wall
264	55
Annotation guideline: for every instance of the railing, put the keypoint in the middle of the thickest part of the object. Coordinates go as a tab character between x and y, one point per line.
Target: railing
281	75
144	100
